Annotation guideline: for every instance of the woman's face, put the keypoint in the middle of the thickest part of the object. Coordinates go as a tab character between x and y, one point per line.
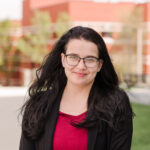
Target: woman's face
81	72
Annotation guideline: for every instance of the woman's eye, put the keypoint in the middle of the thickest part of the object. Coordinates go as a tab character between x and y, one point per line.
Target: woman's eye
73	57
90	60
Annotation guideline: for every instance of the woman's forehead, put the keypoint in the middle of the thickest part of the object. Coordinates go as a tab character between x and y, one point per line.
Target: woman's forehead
82	47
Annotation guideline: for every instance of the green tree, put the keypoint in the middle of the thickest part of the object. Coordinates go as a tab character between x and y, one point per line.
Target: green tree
6	45
62	24
34	43
5	42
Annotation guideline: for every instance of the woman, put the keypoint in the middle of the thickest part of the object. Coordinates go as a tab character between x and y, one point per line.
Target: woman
76	103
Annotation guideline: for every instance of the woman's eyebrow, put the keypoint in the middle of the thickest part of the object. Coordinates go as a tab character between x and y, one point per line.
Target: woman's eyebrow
73	54
84	57
91	56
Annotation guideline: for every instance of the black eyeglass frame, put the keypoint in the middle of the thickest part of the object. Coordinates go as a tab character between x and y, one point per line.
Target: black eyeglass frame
80	59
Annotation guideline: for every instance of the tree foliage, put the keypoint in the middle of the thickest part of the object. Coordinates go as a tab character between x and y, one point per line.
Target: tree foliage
62	24
6	45
5	42
9	56
34	43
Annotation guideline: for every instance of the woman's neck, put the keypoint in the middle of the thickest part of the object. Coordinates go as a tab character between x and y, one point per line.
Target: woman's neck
75	99
76	91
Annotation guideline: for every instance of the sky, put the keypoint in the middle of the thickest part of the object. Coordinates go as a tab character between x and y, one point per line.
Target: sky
12	9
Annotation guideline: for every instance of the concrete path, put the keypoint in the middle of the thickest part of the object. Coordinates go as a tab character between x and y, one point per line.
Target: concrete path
12	98
141	96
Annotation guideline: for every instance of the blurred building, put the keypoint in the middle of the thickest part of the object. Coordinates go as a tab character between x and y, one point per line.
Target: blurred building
105	17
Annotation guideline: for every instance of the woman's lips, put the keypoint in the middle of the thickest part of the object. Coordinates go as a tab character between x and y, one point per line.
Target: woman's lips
80	74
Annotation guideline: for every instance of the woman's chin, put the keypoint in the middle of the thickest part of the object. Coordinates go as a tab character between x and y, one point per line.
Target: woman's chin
80	82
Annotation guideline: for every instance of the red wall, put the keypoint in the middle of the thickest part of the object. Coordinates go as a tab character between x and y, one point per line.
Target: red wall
35	4
147	13
92	11
83	10
27	12
54	10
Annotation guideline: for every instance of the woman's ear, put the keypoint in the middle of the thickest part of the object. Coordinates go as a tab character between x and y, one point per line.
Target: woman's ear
100	65
63	59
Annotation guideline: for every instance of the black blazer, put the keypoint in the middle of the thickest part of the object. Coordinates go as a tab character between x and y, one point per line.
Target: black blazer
107	139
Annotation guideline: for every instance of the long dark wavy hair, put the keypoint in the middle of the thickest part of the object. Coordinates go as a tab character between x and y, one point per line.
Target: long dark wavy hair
107	103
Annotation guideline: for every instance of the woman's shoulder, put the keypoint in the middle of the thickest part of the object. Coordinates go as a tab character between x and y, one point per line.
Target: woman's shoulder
121	96
118	101
115	107
122	104
114	98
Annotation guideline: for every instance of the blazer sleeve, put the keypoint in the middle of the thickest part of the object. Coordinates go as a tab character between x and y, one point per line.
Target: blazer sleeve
26	144
121	139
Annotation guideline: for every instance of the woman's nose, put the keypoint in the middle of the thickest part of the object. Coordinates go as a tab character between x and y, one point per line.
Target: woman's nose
81	64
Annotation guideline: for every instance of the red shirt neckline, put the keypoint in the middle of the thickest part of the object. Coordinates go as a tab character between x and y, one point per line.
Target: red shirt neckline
73	116
68	137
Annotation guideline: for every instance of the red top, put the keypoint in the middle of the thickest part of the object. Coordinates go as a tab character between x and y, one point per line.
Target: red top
68	137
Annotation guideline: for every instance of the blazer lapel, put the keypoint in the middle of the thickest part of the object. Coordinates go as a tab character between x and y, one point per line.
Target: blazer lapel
92	133
51	123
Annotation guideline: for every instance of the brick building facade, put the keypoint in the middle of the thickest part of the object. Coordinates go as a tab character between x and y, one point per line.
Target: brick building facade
102	16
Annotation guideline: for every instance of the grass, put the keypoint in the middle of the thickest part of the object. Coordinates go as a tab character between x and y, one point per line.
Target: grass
141	127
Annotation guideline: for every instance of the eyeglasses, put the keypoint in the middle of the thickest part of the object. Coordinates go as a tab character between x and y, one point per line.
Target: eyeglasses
90	61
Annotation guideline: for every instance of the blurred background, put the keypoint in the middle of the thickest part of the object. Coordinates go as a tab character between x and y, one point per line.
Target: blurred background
29	29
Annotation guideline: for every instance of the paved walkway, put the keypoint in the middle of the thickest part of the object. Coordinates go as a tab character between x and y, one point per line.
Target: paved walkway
12	98
139	95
